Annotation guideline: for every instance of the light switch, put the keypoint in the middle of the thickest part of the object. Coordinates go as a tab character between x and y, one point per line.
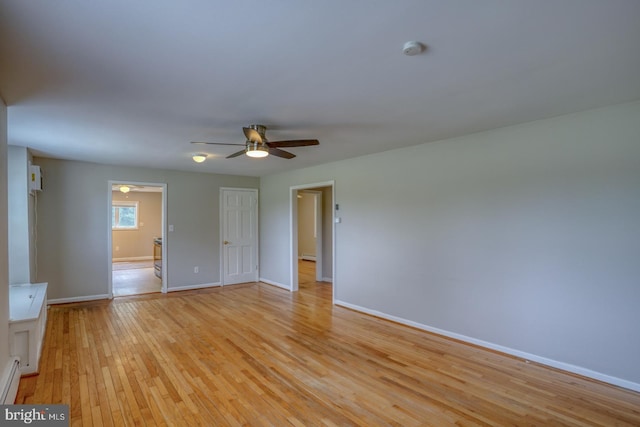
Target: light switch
170	227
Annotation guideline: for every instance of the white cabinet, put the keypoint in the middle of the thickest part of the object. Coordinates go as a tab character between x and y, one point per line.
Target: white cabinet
27	324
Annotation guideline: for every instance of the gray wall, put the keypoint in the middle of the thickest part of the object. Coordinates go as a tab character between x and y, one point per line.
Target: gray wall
525	237
138	243
4	244
327	232
73	224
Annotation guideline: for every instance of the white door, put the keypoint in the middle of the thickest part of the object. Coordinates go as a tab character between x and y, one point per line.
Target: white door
239	236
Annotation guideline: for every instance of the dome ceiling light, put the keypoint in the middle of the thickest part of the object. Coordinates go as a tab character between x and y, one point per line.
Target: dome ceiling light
199	157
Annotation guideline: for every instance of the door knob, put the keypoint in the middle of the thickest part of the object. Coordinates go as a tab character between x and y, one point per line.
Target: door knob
226	242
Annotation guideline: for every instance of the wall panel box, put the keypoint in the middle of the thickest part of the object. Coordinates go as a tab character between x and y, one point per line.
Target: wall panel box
35	178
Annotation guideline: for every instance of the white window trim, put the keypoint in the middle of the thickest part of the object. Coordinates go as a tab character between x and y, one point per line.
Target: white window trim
129	204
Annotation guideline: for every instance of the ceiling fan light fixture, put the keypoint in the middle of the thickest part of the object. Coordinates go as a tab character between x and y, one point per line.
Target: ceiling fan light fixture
257	146
124	189
199	157
256	150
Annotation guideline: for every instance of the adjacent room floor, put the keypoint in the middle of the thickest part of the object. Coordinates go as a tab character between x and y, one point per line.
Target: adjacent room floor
133	278
306	273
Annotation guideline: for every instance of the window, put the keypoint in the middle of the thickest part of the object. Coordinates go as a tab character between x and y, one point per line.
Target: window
124	215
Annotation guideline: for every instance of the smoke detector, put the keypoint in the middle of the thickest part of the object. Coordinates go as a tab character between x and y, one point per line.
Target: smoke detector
412	48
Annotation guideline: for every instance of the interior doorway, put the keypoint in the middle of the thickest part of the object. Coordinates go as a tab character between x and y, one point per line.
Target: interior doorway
312	235
137	262
310	256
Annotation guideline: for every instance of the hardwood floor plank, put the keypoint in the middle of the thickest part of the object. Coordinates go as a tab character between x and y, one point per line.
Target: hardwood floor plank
253	354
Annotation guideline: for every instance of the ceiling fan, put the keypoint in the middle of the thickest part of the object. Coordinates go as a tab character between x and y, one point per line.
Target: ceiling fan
257	144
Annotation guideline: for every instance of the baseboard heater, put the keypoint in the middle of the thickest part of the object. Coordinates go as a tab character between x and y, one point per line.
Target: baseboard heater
10	389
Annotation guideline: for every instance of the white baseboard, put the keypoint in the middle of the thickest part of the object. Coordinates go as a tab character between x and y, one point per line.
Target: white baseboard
9	381
133	258
517	353
271	282
191	287
78	299
327	279
308	257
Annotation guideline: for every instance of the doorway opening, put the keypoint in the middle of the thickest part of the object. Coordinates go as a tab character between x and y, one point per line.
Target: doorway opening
310	256
137	262
312	245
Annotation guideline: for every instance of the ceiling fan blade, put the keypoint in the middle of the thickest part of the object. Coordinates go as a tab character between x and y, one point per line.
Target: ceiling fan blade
281	153
252	135
294	143
255	138
213	143
239	153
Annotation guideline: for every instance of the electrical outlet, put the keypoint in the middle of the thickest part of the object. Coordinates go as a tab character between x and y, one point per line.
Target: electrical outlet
196	269
117	248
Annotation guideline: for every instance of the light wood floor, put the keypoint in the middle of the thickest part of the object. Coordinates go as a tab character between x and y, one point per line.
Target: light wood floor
133	278
254	354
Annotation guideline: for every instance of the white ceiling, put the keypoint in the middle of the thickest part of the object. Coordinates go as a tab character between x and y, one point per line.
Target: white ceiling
133	82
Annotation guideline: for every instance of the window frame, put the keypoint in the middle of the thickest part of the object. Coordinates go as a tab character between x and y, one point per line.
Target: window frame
115	226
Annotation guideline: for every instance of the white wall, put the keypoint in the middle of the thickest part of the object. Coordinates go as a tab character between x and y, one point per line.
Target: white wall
525	237
4	255
73	225
21	262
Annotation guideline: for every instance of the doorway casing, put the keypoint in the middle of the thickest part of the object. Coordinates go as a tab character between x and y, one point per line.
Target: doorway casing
163	186
293	232
318	231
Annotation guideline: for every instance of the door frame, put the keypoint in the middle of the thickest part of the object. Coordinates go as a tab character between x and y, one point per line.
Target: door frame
163	185
257	238
293	233
317	199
